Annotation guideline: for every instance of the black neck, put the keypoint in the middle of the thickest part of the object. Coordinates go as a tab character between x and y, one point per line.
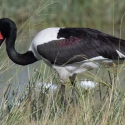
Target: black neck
21	59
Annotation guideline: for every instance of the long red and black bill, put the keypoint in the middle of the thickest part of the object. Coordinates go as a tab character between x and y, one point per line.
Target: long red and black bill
1	39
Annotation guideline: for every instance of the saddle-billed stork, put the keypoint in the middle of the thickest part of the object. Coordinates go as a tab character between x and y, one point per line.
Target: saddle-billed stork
67	50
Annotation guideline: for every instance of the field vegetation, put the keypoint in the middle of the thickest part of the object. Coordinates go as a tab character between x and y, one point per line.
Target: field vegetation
102	105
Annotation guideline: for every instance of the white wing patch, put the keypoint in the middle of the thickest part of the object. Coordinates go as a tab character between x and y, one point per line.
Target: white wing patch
120	54
42	37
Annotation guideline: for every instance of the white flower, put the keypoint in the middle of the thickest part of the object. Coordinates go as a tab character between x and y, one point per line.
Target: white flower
88	84
50	86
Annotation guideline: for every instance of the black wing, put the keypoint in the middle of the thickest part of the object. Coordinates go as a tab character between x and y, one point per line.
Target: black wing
80	44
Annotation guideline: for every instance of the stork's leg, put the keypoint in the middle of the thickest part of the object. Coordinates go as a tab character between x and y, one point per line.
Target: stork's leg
63	74
72	80
63	97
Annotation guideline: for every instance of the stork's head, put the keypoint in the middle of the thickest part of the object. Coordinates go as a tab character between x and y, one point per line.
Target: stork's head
6	26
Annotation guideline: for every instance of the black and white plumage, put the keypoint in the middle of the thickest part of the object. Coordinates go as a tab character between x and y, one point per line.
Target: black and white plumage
67	50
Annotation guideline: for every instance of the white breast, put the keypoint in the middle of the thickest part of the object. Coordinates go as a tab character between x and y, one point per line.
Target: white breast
79	67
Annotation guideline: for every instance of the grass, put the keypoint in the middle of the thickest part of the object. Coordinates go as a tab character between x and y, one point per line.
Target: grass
103	105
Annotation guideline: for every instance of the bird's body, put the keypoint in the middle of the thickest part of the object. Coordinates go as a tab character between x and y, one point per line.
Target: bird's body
67	50
75	50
